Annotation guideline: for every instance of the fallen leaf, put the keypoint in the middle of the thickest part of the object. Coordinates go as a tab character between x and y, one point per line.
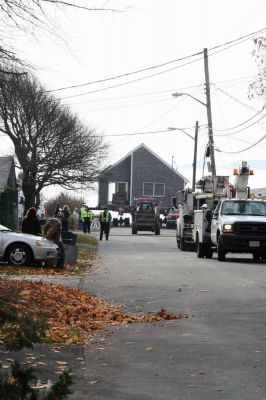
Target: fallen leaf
149	349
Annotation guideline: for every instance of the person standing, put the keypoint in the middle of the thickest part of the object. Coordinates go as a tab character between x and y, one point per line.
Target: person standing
65	219
75	216
52	231
31	223
86	218
105	221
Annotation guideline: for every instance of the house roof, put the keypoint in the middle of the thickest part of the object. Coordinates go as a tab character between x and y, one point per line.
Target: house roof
154	154
6	164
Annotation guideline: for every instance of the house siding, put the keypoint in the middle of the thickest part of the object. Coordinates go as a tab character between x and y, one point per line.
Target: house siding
154	170
146	167
117	173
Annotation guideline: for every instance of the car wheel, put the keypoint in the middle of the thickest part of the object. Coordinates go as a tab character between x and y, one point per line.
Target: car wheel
209	253
200	249
220	250
256	256
157	229
134	229
183	245
19	255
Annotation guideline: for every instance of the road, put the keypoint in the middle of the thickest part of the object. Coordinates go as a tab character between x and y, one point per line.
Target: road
218	352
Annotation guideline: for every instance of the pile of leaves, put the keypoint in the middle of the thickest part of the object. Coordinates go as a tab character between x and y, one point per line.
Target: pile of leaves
70	314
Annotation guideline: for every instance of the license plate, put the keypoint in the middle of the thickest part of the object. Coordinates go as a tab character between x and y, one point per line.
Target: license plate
254	244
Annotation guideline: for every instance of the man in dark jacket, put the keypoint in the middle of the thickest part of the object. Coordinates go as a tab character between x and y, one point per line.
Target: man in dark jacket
105	221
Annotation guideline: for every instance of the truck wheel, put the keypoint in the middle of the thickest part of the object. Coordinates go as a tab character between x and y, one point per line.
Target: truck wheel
200	249
209	252
134	230
220	250
183	245
19	255
256	256
157	229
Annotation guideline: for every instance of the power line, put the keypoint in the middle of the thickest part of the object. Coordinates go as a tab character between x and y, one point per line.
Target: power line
243	150
128	82
241	130
125	74
232	42
234	98
243	123
141	133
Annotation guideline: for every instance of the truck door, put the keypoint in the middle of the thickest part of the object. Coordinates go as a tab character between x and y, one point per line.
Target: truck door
215	223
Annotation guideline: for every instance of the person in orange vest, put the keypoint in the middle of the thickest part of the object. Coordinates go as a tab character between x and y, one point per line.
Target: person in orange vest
105	221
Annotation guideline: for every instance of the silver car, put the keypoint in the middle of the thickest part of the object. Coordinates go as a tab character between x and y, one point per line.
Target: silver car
21	249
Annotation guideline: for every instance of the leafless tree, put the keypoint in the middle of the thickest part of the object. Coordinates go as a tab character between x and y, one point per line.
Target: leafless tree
24	15
51	144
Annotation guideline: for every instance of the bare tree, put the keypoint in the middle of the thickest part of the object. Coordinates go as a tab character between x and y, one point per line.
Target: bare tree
52	146
25	15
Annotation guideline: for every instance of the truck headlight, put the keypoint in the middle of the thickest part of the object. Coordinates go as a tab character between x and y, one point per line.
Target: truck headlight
228	228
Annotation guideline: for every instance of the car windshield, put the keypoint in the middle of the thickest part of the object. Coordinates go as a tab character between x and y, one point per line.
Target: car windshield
4	228
256	208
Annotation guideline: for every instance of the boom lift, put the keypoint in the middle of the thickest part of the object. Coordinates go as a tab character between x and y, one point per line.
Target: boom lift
237	225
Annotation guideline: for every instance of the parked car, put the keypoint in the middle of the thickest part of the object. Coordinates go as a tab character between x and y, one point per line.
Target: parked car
171	218
21	249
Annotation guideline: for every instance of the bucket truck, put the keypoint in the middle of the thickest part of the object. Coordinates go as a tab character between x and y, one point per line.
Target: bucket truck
237	224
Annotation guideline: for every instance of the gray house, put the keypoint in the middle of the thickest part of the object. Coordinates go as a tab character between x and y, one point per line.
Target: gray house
8	192
141	173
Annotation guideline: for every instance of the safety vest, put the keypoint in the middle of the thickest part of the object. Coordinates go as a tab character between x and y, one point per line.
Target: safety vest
105	217
85	213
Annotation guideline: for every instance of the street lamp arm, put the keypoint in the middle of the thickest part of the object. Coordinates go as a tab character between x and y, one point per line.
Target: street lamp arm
183	130
190	95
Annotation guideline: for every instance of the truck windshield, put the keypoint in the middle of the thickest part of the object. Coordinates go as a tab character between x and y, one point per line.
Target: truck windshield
256	208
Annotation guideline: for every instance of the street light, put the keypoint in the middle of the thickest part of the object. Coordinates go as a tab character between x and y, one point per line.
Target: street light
187	94
209	117
180	129
195	150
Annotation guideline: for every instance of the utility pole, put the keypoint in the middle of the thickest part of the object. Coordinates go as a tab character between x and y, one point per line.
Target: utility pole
195	157
209	112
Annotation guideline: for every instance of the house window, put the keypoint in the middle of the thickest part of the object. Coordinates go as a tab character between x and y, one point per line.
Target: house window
151	189
159	189
148	189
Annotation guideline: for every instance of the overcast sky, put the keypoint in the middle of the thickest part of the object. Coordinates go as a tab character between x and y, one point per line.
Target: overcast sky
165	38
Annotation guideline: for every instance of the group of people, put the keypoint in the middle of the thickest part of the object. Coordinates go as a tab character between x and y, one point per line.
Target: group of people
52	229
105	219
85	215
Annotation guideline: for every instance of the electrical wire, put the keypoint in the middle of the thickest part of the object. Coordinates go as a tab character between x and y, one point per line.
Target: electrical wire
243	150
232	42
235	98
141	133
241	130
125	74
128	82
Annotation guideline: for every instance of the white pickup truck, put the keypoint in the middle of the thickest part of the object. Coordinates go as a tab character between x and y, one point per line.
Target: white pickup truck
236	226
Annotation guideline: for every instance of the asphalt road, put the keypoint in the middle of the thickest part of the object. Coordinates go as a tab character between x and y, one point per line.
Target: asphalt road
218	352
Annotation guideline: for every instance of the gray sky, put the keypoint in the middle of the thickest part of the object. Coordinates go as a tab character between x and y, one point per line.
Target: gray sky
94	46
